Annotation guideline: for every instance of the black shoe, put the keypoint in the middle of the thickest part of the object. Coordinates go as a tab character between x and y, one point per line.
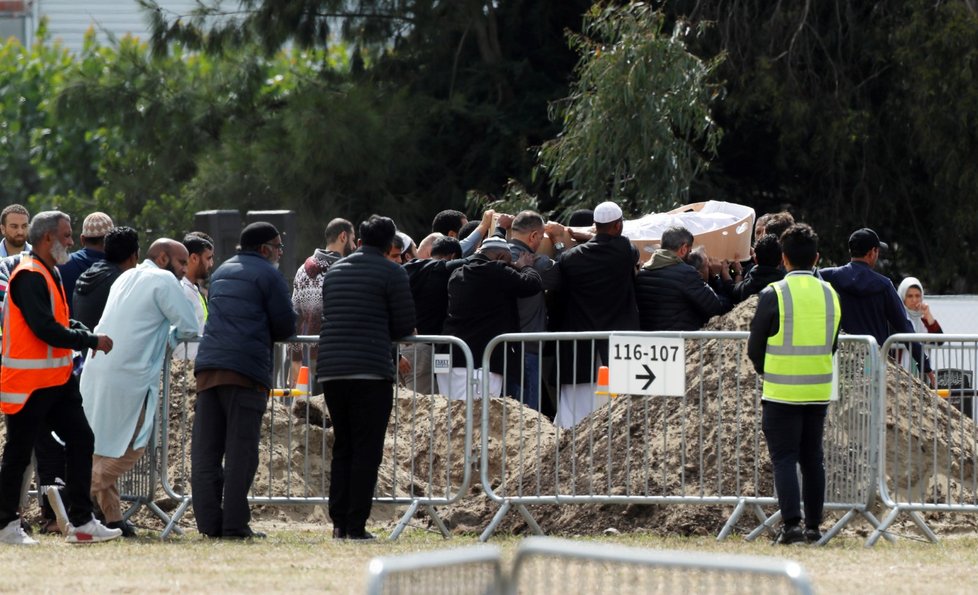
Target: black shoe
790	535
246	534
360	535
128	530
339	533
812	534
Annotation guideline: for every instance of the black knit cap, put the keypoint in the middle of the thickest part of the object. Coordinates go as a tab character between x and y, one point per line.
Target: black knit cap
256	234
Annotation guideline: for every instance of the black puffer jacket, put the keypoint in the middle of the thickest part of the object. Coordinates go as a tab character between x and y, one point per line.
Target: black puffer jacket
248	309
367	304
672	295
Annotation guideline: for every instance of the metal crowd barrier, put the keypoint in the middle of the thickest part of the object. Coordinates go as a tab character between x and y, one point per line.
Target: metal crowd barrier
293	465
568	567
546	565
461	571
608	457
929	441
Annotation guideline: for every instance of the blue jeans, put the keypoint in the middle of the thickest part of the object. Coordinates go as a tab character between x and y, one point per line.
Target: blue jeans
527	392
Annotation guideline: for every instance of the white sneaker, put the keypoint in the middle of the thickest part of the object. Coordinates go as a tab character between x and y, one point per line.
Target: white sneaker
91	532
14	534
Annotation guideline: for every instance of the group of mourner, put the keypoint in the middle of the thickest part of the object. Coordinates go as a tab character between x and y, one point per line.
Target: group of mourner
85	334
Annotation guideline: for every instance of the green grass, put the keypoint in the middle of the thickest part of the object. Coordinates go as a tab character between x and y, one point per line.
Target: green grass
308	561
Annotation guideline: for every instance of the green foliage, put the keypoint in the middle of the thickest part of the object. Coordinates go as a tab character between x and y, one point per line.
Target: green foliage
638	120
852	114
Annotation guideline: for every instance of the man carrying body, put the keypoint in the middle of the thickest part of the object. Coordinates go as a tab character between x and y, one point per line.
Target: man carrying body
526	234
672	296
94	228
792	338
597	294
120	391
870	304
39	392
429	288
248	311
482	296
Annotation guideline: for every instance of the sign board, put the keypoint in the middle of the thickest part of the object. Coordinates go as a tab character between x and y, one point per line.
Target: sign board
441	363
643	365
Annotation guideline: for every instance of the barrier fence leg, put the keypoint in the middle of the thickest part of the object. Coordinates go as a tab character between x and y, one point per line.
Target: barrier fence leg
919	520
156	510
437	520
838	526
496	519
177	514
728	527
401	524
767	525
881	529
875	523
529	519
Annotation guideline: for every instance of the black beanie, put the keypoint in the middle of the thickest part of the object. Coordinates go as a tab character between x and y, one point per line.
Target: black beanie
256	234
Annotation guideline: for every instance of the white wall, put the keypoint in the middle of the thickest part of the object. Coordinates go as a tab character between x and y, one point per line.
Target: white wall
68	20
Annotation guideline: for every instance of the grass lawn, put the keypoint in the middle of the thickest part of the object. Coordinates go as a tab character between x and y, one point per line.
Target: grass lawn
307	561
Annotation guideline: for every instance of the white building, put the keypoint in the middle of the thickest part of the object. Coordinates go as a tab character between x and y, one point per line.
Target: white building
68	20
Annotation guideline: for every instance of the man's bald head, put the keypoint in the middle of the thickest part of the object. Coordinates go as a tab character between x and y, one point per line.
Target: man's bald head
170	255
424	248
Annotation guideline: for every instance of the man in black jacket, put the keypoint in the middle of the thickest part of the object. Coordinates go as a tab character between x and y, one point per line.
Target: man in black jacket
429	287
597	294
367	304
766	269
92	288
672	295
482	297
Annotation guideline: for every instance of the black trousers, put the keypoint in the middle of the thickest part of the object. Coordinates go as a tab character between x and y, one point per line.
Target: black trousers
794	437
57	408
224	457
360	410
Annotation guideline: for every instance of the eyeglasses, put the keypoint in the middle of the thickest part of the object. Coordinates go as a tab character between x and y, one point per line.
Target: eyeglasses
279	247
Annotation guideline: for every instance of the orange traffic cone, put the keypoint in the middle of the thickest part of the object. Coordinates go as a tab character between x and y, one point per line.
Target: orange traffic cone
602	387
302	382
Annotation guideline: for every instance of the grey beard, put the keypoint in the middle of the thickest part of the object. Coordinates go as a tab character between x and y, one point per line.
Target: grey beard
60	254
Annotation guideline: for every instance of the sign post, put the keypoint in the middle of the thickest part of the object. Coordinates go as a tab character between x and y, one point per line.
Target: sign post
643	365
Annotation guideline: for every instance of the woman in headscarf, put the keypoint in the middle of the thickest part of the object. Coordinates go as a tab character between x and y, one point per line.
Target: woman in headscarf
911	291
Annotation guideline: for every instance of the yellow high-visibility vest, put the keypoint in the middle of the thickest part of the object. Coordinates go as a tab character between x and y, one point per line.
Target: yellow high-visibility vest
798	359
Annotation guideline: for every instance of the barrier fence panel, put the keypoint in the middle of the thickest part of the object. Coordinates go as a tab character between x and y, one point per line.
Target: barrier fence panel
929	441
704	447
569	567
447	572
428	450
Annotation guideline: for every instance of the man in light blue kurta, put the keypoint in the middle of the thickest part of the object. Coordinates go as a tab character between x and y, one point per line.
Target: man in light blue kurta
146	309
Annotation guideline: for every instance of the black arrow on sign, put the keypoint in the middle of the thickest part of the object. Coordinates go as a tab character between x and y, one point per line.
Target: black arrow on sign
649	376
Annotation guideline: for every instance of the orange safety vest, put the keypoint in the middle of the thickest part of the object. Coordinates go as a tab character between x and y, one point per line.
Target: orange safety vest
30	364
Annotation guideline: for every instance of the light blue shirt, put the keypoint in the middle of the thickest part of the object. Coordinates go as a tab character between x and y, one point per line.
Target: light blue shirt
145	311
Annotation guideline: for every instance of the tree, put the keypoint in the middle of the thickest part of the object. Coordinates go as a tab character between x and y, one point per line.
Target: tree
637	125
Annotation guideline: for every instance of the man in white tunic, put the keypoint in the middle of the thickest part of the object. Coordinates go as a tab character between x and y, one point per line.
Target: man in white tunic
147	310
